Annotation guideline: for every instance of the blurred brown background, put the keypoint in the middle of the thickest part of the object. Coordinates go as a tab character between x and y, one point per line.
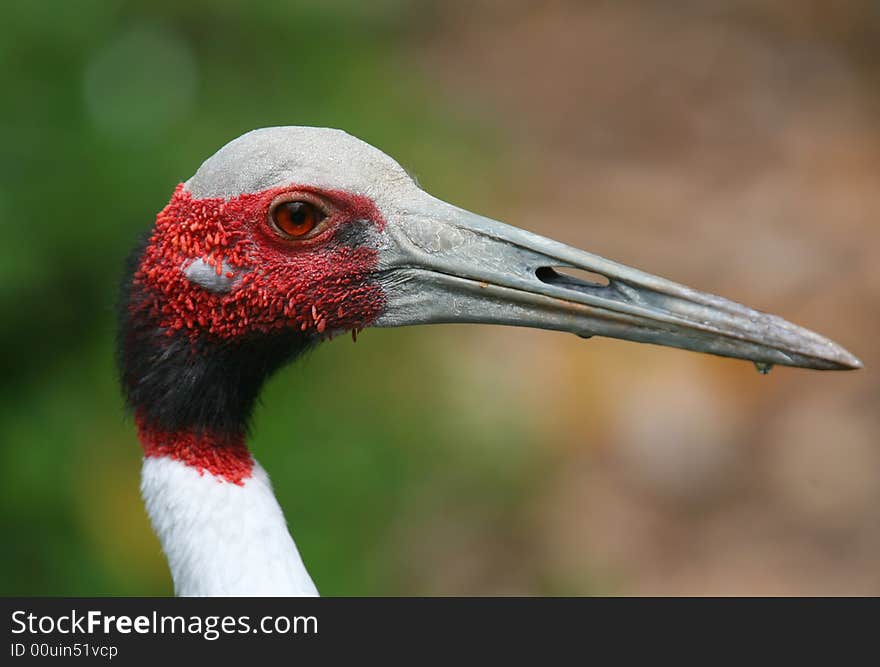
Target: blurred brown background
730	146
734	146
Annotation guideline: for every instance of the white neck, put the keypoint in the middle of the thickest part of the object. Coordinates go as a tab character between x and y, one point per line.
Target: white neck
222	538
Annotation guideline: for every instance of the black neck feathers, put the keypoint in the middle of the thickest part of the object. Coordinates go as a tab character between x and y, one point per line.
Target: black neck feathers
174	383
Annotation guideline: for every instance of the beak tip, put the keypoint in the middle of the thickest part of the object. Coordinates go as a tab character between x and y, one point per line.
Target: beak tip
853	363
842	359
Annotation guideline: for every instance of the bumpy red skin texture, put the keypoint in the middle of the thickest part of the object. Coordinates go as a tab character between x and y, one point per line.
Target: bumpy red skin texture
315	285
226	457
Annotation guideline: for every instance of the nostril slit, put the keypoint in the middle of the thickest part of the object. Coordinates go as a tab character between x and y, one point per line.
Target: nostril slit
566	276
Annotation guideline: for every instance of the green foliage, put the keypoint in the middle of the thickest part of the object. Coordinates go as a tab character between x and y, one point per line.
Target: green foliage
107	105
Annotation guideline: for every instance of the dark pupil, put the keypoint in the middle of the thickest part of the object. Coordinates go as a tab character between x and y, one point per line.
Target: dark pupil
298	212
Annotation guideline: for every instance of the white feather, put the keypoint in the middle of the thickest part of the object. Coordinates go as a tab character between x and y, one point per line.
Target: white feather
221	538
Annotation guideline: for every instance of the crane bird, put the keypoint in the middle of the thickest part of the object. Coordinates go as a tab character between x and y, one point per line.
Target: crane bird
289	235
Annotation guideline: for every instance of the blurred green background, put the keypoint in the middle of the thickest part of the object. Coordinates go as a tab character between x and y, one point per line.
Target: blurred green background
731	146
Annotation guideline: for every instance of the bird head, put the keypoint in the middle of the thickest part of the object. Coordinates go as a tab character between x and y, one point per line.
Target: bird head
288	235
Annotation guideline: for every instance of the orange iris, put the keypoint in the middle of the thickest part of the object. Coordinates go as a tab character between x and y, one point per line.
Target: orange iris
296	218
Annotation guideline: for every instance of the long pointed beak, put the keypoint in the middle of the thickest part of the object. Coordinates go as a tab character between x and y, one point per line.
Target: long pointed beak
445	264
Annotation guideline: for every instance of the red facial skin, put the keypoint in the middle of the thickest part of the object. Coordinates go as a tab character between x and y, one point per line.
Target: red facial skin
317	284
311	284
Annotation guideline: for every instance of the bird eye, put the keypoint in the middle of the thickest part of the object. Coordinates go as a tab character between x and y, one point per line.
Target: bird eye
296	219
